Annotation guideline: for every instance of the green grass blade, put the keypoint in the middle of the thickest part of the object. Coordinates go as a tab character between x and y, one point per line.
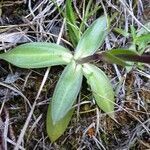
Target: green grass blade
122	32
69	12
133	33
101	88
37	55
73	30
92	39
143	39
66	91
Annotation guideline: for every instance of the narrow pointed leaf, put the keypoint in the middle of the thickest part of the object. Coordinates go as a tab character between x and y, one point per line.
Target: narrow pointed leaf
66	91
116	56
143	38
37	55
110	58
122	32
73	29
92	39
133	33
122	52
123	57
101	88
55	131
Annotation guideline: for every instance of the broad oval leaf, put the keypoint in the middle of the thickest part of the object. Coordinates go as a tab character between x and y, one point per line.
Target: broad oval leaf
66	91
37	55
55	131
92	39
101	88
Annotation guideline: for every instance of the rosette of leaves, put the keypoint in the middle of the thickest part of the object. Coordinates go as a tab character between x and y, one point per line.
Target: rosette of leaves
42	54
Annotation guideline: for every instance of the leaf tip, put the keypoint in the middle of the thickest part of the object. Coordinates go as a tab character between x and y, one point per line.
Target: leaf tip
112	115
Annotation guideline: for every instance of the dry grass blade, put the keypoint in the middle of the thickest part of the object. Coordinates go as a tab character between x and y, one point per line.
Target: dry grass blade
17	91
131	13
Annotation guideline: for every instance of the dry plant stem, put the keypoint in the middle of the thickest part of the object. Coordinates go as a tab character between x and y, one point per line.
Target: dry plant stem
143	73
15	90
51	34
33	126
9	128
131	13
25	127
99	143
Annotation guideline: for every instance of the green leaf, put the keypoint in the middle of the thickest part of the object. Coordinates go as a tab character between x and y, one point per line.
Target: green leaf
116	56
116	52
110	58
92	39
73	29
123	57
143	38
142	41
69	11
132	47
122	32
101	88
37	55
133	33
55	131
66	91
